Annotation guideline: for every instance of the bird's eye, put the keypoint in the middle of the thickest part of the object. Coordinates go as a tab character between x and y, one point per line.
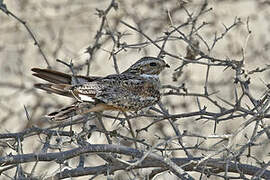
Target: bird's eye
153	64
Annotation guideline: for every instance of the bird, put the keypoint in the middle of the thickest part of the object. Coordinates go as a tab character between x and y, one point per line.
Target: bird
132	90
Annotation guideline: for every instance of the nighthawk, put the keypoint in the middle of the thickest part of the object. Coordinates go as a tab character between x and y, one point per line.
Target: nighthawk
132	90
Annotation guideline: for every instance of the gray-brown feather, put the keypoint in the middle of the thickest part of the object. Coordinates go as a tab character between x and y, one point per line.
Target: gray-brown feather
57	77
125	91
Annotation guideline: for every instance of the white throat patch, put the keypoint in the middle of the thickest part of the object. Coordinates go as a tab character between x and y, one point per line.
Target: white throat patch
149	76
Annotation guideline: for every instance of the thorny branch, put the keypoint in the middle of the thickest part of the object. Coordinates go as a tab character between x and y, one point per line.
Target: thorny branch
4	8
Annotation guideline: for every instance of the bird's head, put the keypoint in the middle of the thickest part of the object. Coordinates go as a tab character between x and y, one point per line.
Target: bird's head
147	65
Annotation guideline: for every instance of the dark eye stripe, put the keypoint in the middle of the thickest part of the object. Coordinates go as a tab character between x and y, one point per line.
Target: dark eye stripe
153	64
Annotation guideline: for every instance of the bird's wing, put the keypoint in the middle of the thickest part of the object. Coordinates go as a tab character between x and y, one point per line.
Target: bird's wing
123	91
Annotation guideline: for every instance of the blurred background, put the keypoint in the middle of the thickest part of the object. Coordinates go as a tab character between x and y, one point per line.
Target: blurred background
65	29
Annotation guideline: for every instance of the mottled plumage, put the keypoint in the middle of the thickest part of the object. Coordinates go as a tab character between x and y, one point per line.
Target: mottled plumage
132	90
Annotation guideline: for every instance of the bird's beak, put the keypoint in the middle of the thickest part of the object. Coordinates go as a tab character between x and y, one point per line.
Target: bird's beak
167	66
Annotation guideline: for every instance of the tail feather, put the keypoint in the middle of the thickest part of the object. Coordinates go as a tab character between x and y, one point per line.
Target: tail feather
62	84
61	89
63	114
52	76
61	78
69	111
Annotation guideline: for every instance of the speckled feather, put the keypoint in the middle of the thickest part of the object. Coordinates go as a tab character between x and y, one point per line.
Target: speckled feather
127	92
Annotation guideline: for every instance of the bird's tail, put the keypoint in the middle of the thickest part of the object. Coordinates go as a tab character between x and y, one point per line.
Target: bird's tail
52	76
68	112
60	83
57	77
61	89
